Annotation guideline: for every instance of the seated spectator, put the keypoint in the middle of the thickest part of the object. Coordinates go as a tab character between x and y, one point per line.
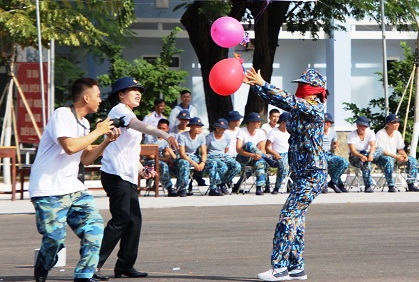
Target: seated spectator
234	120
250	147
217	145
154	117
391	141
166	159
362	150
277	145
185	104
336	165
182	126
193	153
273	121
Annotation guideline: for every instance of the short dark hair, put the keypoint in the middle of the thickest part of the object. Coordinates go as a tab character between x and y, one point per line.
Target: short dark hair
80	85
273	111
163	121
184	92
158	101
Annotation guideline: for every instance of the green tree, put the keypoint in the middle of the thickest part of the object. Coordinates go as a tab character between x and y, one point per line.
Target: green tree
269	16
157	77
398	76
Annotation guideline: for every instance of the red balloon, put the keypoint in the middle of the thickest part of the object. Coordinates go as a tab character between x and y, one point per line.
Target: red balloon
226	76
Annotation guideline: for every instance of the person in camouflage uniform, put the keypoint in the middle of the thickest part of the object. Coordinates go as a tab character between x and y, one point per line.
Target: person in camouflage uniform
307	162
58	196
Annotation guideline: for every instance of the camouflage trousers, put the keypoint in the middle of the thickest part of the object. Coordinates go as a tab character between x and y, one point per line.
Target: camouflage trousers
365	166
288	241
227	167
78	210
336	166
164	173
283	170
387	164
258	165
184	167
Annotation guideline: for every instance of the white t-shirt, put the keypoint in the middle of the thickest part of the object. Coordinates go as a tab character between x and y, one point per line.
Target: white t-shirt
389	144
361	145
54	172
279	140
151	119
122	156
175	112
244	135
232	146
267	127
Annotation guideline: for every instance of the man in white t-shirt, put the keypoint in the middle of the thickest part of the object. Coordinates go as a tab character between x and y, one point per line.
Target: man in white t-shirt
234	120
277	145
153	118
362	150
250	147
58	196
185	97
336	165
391	141
273	121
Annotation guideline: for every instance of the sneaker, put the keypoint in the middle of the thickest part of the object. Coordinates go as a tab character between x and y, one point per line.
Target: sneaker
324	190
391	189
267	190
275	191
298	274
275	274
368	189
182	193
171	192
99	276
259	191
85	280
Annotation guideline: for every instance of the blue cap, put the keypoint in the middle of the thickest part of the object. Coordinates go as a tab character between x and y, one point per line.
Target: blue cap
312	77
195	121
361	120
392	118
184	114
252	117
234	115
328	117
125	83
285	116
221	122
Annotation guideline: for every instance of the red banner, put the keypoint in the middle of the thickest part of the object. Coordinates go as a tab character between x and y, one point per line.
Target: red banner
28	76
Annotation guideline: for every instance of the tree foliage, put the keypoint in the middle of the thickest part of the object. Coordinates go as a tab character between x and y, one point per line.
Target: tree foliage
157	77
398	76
67	22
269	16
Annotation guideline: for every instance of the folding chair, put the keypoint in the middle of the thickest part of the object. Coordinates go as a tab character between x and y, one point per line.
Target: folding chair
285	183
246	173
192	189
356	179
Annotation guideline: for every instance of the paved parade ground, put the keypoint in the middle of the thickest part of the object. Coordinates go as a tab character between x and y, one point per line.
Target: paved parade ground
350	237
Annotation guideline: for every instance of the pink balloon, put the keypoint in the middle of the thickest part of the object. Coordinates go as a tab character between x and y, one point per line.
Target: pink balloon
226	76
227	32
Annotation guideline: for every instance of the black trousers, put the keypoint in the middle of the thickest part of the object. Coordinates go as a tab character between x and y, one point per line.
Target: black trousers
125	224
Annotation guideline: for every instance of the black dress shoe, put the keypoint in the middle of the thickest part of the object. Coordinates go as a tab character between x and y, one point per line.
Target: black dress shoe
131	273
100	276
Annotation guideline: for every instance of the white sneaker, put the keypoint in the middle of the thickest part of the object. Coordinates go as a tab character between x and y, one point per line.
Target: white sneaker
275	274
298	274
